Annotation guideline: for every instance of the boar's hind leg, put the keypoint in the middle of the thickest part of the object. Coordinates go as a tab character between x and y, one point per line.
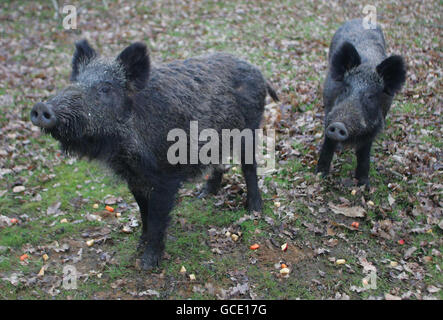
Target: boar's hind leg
363	160
161	201
326	154
253	199
213	184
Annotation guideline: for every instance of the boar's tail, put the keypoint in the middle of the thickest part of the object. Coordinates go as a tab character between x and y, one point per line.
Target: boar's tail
272	92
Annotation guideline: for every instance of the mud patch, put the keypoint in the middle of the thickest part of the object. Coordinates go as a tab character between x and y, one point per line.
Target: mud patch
269	257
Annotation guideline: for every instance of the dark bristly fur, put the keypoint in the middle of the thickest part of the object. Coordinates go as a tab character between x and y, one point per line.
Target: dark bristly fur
83	54
393	74
358	93
135	60
119	111
343	60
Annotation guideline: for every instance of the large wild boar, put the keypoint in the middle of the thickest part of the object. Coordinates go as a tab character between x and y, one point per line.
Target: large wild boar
119	111
358	93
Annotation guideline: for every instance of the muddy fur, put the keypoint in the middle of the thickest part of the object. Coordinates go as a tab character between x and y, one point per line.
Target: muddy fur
119	111
358	91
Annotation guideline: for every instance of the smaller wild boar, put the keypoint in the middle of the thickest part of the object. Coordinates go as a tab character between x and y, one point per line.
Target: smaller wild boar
358	92
120	111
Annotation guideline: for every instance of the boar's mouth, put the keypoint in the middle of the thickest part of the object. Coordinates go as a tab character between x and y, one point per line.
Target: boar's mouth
358	131
352	118
72	133
68	128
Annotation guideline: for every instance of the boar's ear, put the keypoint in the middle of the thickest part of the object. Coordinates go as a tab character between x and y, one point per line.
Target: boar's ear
393	72
82	56
344	60
136	64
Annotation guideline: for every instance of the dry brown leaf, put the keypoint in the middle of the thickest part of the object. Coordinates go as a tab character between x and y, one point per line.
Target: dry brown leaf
353	212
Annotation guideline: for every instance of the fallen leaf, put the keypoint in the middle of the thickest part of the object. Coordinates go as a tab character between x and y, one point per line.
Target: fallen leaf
284	271
391	200
433	289
240	289
367	266
5	221
354	212
409	252
41	273
126	229
53	209
149	292
391	297
14	278
18	189
284	247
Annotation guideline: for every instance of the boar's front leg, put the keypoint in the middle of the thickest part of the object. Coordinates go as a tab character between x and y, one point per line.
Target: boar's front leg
161	201
363	160
253	199
326	154
142	198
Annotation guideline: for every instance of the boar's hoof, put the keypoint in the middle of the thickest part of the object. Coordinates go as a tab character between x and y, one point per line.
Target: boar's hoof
255	205
324	172
364	182
203	194
211	187
150	260
206	192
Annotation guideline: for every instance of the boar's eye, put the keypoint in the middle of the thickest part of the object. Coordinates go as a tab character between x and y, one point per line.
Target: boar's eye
370	102
346	90
370	97
105	88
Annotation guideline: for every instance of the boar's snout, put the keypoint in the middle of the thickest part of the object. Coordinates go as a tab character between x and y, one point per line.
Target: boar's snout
337	131
43	116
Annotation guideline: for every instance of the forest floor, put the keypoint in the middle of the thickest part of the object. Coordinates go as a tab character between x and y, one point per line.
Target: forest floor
52	206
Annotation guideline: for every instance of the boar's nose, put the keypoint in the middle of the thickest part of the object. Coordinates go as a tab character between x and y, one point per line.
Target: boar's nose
337	131
43	116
